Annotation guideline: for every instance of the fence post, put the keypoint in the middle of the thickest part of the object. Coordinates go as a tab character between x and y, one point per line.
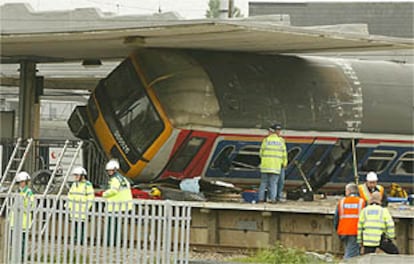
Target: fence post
168	215
17	229
2	239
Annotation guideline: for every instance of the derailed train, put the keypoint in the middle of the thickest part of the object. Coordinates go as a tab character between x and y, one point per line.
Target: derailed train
187	113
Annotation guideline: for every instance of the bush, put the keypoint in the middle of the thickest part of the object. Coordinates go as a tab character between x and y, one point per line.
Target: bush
280	254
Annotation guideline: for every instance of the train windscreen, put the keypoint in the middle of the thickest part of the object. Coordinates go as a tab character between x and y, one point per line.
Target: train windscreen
134	112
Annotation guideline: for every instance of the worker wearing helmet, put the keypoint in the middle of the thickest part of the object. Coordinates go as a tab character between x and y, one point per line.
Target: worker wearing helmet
23	179
370	186
273	159
119	195
80	198
376	227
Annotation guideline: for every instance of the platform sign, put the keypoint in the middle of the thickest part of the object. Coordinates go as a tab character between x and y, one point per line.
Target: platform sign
66	160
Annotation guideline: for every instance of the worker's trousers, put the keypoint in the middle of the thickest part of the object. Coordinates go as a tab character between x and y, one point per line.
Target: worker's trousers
351	246
386	245
268	181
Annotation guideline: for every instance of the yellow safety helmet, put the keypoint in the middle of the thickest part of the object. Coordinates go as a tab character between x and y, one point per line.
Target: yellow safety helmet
155	192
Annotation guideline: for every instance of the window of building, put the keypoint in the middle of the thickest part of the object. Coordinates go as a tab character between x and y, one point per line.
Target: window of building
405	165
378	161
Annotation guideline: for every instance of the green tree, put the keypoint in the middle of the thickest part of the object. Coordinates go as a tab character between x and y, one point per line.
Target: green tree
214	10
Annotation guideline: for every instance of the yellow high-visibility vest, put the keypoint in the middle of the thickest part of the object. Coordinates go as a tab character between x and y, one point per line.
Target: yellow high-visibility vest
365	194
374	221
28	201
119	194
273	154
80	198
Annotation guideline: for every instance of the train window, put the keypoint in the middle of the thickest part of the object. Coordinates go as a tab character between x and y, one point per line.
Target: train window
247	158
293	153
405	164
223	159
137	117
184	156
378	161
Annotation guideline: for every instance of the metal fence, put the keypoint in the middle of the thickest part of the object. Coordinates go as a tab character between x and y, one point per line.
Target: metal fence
46	231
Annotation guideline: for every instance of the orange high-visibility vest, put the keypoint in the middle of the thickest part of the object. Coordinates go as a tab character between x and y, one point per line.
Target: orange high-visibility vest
365	194
348	212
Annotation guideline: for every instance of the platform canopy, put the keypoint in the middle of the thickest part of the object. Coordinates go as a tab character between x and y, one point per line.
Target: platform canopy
87	33
45	37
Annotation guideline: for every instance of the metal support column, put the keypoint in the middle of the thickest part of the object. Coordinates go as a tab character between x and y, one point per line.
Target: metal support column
28	113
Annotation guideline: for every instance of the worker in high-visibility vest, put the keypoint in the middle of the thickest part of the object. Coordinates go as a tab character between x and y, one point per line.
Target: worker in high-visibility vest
346	219
23	179
370	186
119	197
273	158
80	199
376	227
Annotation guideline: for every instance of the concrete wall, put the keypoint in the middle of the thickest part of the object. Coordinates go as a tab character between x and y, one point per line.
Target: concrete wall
256	229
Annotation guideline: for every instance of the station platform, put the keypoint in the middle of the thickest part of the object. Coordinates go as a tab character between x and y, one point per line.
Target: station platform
299	224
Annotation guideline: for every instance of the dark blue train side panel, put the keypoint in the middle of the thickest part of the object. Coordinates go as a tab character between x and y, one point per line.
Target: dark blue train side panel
327	162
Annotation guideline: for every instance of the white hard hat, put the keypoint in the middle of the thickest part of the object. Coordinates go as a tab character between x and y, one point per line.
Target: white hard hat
79	171
112	165
372	176
22	176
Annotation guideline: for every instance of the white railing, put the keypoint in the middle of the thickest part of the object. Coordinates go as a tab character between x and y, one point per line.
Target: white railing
151	232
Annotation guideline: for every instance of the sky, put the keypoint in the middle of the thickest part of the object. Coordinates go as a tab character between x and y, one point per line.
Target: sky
189	9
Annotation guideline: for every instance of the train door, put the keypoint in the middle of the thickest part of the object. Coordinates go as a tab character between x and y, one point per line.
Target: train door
189	155
320	161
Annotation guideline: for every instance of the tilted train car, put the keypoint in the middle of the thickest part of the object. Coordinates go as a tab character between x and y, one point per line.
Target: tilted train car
187	113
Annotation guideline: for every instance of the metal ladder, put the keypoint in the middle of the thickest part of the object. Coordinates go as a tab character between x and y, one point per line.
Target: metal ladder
62	186
17	157
57	166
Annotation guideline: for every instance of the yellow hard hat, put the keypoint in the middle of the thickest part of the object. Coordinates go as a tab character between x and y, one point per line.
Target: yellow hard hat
155	192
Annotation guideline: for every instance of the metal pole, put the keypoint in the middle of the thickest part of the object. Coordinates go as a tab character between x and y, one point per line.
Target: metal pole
224	5
231	6
27	105
354	161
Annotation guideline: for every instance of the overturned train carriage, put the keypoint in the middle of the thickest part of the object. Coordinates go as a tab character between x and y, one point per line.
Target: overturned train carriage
189	113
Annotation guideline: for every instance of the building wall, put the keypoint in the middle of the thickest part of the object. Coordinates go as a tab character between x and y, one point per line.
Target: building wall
383	18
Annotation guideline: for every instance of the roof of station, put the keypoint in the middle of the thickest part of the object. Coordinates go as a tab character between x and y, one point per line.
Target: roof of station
88	33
